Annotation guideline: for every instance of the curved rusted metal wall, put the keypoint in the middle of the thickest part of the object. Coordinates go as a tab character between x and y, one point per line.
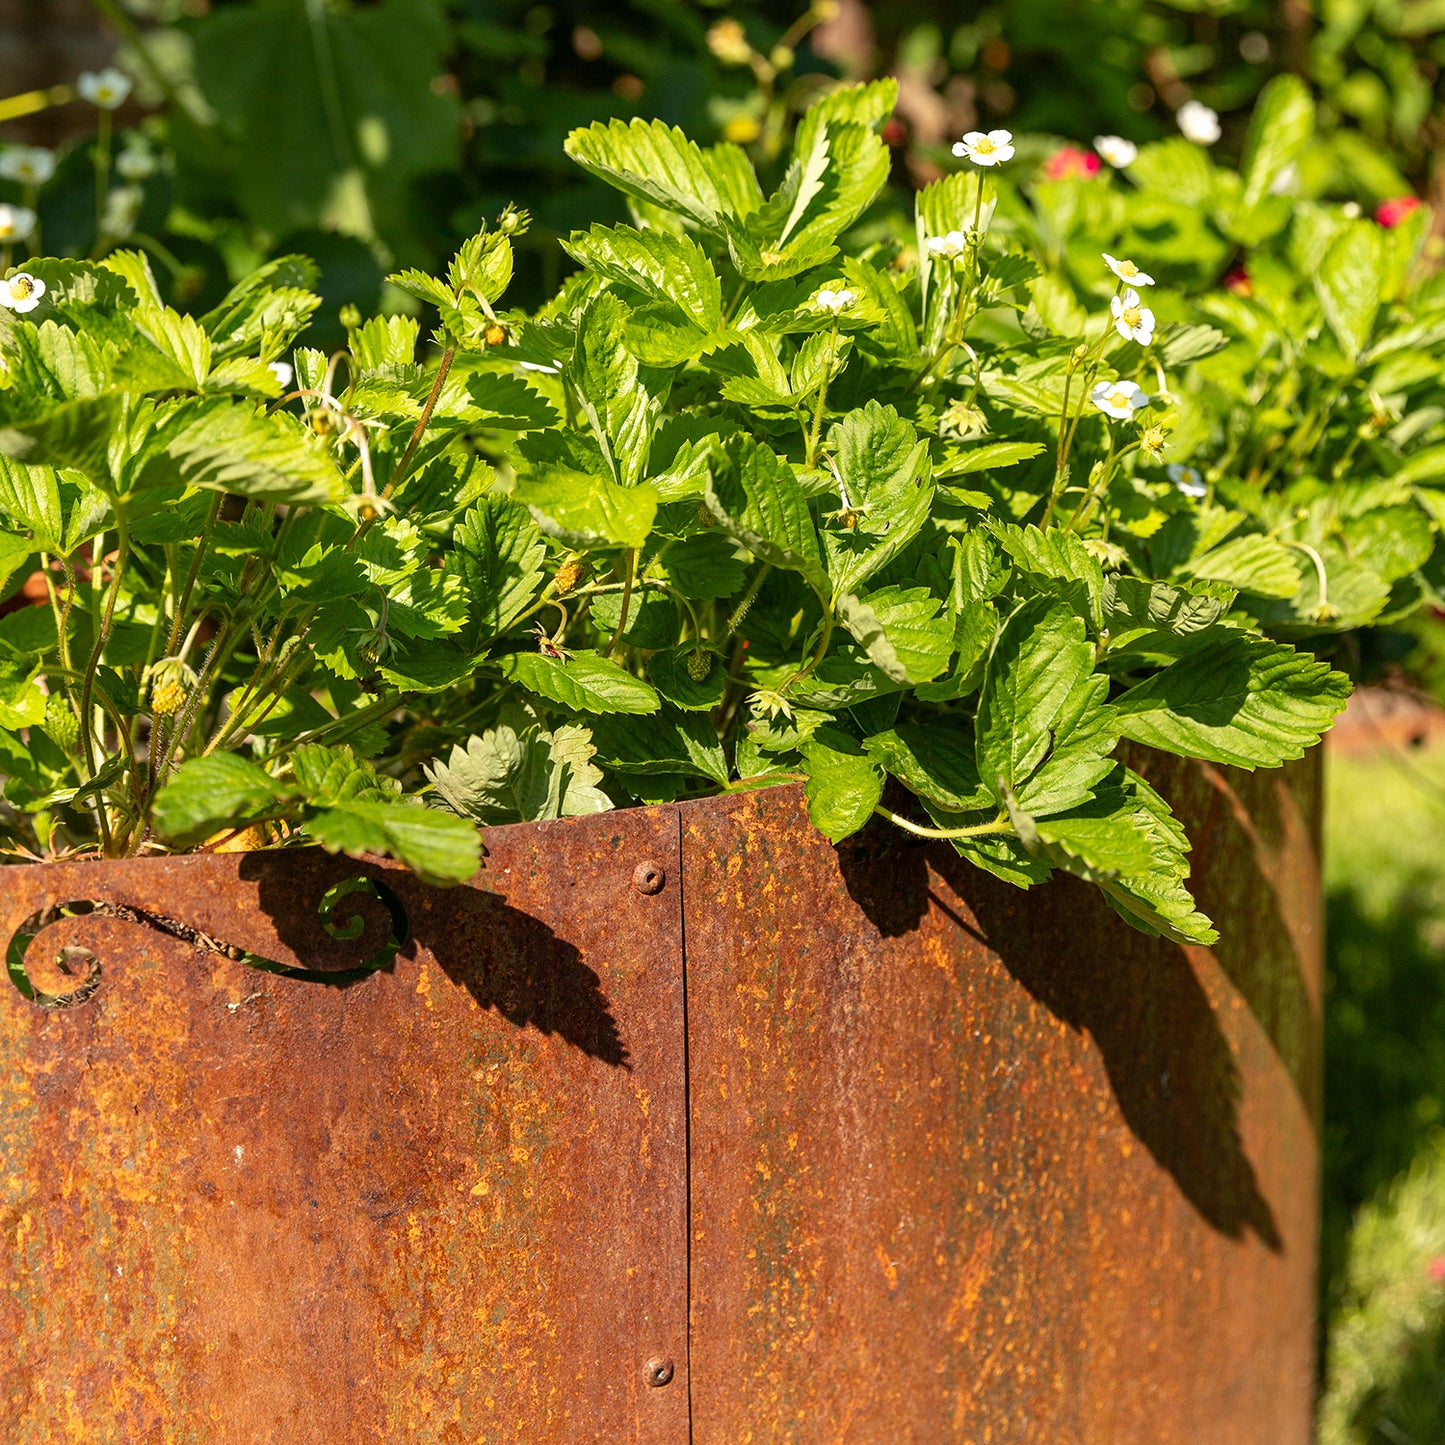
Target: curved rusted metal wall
678	1124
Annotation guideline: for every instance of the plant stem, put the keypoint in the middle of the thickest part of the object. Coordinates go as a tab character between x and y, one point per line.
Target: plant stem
129	31
13	107
824	638
627	577
87	686
978	830
423	422
102	173
748	598
817	427
184	600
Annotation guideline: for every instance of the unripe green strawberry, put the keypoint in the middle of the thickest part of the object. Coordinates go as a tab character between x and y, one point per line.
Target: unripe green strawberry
61	722
699	664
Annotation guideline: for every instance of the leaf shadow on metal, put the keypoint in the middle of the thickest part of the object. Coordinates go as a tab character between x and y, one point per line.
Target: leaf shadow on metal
506	960
1244	826
75	971
1169	1064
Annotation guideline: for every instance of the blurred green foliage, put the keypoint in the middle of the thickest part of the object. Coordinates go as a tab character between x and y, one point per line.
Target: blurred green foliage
1384	1097
1386	1376
401	123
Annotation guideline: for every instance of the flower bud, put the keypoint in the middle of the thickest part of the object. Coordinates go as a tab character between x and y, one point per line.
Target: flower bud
962	421
729	43
350	316
513	221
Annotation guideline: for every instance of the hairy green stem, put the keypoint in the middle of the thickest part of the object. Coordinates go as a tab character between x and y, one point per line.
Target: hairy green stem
627	580
812	435
748	598
978	830
423	421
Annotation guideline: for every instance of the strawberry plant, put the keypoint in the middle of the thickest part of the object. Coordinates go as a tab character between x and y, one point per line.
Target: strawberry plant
750	501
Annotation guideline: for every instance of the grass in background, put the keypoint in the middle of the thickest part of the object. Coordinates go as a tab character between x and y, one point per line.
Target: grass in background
1383	1262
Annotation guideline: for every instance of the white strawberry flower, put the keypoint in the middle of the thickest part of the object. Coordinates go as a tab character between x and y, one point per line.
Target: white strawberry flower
1198	123
30	165
108	88
985	149
835	302
1127	271
1186	479
16	222
1119	399
21	292
1116	150
282	371
1132	320
135	164
953	244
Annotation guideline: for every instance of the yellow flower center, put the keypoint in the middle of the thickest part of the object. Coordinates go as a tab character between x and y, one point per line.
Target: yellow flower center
22	288
1127	268
1131	317
1153	439
1119	398
984	147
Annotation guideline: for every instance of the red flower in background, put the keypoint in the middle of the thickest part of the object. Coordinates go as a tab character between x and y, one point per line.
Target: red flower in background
1238	282
1390	213
1436	1269
1070	163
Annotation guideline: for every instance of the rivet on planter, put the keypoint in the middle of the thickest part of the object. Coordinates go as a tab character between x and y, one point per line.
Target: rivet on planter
657	1371
648	877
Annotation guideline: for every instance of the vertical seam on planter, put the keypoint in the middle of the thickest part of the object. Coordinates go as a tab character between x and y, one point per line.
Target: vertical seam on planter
686	1113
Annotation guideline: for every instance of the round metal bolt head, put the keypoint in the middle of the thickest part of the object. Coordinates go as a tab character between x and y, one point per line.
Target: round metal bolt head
658	1371
648	877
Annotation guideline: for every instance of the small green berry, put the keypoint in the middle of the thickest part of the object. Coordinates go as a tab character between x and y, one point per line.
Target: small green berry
61	722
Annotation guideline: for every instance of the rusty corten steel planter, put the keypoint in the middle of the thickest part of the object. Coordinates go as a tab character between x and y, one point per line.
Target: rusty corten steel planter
678	1124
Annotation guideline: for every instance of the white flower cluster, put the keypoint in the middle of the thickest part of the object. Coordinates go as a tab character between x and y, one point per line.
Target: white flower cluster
1186	479
1134	321
1119	399
21	292
985	148
834	302
29	165
1116	150
1198	123
946	247
16	222
109	88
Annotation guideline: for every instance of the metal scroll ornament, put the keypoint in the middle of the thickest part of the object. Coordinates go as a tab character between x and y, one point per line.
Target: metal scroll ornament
83	965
